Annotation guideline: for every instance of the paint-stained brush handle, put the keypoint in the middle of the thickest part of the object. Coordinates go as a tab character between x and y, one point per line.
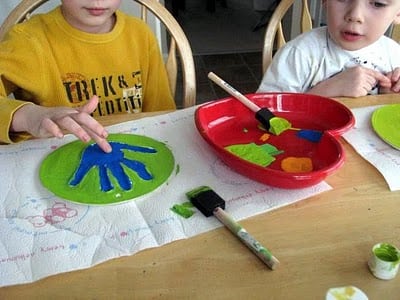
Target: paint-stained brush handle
263	115
210	203
262	253
233	92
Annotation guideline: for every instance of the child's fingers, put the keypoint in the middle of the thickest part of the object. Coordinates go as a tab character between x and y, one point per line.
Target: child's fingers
85	128
383	80
90	106
395	75
49	128
395	78
88	122
92	127
394	86
69	124
101	141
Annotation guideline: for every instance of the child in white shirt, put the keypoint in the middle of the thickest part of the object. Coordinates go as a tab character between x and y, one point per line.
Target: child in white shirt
350	57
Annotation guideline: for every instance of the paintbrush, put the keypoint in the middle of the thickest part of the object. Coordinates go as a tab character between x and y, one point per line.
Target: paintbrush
210	203
270	122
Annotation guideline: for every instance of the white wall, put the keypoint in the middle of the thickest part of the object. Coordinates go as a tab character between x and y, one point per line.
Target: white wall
7	6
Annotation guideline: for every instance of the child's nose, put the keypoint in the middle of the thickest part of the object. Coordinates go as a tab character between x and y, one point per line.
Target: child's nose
354	13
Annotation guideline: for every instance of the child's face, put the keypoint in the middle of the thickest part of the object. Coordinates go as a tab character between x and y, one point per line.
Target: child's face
355	24
93	16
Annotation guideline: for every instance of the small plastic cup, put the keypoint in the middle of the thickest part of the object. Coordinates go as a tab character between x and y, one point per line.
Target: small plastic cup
384	261
345	292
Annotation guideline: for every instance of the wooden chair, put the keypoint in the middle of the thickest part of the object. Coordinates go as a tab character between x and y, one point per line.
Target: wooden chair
274	36
177	41
395	32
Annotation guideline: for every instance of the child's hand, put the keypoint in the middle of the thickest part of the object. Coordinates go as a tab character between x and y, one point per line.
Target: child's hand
353	82
394	87
92	156
42	121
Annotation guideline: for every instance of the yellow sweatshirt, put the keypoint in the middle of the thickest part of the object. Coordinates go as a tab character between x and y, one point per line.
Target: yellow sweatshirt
50	63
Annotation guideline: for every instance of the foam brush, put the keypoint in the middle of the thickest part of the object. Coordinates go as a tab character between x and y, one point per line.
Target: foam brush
266	117
211	204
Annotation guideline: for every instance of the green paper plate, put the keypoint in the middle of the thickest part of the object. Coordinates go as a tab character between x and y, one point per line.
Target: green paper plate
386	123
59	168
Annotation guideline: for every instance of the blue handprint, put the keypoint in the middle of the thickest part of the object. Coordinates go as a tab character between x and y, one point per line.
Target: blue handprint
94	156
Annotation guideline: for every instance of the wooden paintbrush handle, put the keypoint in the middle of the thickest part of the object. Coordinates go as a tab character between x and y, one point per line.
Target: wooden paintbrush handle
263	253
233	92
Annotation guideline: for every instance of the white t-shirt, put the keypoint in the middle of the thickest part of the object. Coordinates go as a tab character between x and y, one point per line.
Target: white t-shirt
313	56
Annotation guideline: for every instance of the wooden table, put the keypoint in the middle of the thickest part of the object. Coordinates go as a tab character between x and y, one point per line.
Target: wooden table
321	242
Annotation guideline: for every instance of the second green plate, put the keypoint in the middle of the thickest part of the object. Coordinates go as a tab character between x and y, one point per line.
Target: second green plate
386	123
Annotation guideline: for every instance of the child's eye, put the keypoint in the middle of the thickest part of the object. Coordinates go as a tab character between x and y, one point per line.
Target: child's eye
378	4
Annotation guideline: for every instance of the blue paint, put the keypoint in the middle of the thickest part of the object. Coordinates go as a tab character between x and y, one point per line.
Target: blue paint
113	161
310	135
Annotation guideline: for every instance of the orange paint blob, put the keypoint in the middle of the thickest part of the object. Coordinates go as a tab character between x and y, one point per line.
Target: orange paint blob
264	137
297	164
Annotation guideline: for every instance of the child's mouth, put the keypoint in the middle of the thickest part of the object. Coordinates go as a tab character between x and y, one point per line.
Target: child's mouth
351	36
96	11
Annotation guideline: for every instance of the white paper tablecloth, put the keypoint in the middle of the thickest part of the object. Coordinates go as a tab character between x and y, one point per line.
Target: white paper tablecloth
372	148
41	234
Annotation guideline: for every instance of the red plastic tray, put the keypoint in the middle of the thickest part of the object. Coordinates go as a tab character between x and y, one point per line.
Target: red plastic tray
227	121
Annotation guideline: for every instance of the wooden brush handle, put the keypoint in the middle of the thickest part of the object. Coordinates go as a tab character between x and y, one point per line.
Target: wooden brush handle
230	90
262	253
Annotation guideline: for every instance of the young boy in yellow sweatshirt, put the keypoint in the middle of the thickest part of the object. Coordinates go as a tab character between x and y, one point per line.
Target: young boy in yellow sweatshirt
83	59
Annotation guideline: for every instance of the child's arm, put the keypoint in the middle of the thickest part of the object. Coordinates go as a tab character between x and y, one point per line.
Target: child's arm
394	77
42	121
352	82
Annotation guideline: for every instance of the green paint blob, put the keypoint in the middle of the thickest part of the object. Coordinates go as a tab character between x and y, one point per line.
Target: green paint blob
270	149
278	125
58	168
387	253
253	153
184	209
197	191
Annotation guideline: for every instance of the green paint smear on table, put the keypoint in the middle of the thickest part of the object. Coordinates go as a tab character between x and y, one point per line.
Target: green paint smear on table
58	168
178	169
257	154
184	209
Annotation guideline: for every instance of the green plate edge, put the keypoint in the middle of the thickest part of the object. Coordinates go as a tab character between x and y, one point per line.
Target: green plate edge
386	123
59	166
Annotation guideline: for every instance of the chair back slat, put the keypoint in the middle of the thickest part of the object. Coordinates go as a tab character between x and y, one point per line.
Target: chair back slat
274	37
395	32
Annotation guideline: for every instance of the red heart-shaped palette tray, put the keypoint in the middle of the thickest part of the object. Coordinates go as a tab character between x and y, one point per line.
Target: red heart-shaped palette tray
228	122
